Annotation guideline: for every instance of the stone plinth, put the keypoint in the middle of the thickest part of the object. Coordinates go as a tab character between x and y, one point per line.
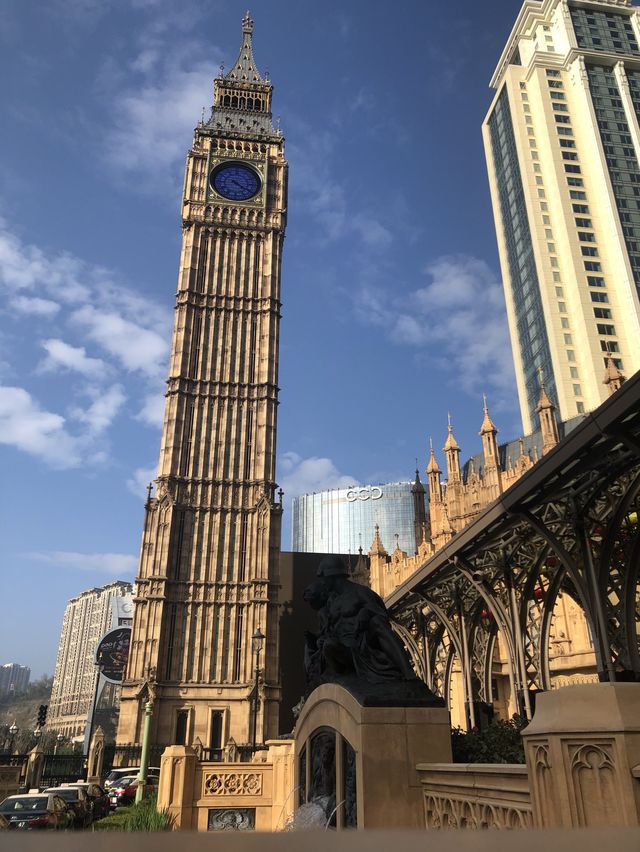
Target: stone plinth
582	748
176	786
386	744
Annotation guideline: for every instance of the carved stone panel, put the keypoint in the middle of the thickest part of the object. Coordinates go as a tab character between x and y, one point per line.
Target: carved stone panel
232	819
232	784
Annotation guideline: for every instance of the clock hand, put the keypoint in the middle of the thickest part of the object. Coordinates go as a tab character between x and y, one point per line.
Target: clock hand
237	184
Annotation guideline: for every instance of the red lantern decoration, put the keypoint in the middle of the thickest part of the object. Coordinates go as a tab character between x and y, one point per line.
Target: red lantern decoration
551	561
538	593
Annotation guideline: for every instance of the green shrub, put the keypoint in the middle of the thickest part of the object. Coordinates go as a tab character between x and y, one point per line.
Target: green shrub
147	817
501	742
113	822
142	817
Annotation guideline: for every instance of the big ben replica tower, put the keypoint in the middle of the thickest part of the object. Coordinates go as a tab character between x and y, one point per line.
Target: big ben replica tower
208	576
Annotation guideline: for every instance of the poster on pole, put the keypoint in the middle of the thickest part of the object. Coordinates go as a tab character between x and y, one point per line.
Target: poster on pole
112	654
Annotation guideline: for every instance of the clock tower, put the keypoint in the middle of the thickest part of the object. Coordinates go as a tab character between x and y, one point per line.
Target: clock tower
208	575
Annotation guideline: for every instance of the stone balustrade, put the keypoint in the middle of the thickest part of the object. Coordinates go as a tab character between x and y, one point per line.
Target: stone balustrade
475	795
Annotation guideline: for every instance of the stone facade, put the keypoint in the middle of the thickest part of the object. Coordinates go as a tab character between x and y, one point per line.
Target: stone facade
208	576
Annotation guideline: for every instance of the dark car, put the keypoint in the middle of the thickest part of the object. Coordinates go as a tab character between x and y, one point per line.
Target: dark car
125	792
98	799
77	800
35	811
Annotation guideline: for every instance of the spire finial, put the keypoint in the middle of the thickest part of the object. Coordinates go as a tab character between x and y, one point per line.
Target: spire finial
430	443
541	377
484	400
450	427
247	23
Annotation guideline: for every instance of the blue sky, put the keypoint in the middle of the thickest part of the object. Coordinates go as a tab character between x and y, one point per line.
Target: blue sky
392	306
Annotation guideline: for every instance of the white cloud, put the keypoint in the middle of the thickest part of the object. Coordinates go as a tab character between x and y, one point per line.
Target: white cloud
24	425
154	113
152	411
61	355
304	476
135	347
459	316
25	267
35	306
140	479
103	410
122	565
321	196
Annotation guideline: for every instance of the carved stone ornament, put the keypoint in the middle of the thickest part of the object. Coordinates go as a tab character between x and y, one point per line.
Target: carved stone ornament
232	784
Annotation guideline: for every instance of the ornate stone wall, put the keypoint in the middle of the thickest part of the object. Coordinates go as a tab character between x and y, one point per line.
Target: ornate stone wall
475	796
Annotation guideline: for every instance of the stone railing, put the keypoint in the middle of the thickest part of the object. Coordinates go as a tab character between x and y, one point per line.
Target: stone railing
475	795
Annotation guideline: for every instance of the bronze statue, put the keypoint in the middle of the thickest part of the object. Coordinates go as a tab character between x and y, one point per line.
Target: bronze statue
356	645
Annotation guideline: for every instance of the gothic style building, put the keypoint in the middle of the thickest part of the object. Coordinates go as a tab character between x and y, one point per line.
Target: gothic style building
208	574
455	503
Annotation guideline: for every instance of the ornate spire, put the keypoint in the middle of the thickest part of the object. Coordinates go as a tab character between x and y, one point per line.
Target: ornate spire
451	443
377	548
487	424
613	378
244	69
432	467
544	402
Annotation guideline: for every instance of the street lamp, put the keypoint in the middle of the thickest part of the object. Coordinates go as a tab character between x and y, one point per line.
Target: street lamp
36	735
59	740
257	641
13	730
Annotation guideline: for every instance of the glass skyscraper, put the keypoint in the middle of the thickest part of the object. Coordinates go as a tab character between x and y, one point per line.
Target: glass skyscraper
342	520
562	142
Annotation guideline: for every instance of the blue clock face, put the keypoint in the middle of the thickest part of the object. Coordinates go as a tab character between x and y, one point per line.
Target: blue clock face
235	181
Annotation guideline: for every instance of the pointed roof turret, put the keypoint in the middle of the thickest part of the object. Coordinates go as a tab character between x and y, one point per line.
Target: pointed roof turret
377	548
417	486
613	378
432	467
544	401
451	443
244	69
488	425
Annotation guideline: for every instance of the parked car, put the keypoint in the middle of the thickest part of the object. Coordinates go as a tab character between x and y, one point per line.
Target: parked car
98	799
113	778
77	800
125	792
33	811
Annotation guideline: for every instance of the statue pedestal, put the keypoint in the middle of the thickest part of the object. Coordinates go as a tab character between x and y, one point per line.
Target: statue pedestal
360	761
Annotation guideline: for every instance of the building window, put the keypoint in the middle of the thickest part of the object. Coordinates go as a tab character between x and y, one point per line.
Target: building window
599	297
580	407
609	346
571	355
568	339
573	372
577	390
602	313
606	329
595	281
182	721
564	322
215	741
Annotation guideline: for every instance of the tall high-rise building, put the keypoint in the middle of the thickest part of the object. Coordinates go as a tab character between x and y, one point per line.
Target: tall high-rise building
208	576
562	140
344	520
87	618
14	679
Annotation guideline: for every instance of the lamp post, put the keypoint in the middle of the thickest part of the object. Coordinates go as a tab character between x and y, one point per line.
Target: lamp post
59	740
36	735
257	641
13	730
144	755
